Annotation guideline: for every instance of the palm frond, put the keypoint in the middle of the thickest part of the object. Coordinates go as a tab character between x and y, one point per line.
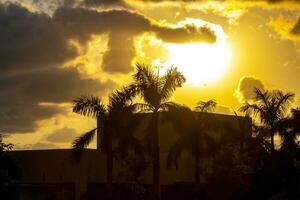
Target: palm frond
170	81
144	74
283	101
253	109
146	84
88	106
121	100
172	106
84	140
261	96
206	106
142	107
79	145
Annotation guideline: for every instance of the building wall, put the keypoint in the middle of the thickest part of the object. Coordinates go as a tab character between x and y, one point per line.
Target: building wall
42	167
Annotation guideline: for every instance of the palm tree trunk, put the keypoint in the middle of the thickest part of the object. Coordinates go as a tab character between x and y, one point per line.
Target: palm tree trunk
156	158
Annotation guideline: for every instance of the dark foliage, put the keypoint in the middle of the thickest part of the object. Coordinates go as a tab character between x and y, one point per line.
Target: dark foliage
9	170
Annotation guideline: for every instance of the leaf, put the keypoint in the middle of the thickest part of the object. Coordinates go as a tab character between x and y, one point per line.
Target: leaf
88	106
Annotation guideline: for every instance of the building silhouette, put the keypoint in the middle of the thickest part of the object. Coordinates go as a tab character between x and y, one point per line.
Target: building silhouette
52	174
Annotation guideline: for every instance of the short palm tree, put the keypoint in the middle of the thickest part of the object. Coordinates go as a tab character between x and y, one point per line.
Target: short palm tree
271	107
109	122
155	90
206	106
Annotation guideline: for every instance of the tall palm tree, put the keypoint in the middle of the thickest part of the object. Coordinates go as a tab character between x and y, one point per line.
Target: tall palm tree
155	90
206	106
271	107
192	138
109	122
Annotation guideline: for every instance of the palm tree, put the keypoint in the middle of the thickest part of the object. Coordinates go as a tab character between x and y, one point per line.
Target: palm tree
3	146
289	130
109	122
271	107
206	106
155	90
192	138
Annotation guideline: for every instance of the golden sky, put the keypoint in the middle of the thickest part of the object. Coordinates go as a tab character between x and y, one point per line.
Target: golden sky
53	51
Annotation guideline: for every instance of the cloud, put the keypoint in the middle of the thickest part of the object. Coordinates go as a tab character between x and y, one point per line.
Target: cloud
185	34
30	40
286	27
21	48
44	145
63	135
151	50
246	88
22	94
296	28
36	146
21	117
123	26
35	46
99	3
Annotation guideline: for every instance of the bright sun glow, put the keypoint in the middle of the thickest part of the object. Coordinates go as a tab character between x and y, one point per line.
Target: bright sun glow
200	62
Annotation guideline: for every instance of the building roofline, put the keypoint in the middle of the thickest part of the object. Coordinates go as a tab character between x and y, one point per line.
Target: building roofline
49	150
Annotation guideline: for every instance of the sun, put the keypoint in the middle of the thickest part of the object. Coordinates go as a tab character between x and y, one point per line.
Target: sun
201	63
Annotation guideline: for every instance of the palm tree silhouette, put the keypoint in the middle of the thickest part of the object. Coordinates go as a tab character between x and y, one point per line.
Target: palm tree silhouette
289	129
206	106
271	107
110	120
192	138
155	90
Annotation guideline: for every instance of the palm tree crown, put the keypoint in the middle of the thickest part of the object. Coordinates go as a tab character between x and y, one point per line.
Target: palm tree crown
155	89
270	107
206	106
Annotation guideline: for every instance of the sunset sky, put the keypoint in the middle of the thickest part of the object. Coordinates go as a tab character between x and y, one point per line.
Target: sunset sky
53	51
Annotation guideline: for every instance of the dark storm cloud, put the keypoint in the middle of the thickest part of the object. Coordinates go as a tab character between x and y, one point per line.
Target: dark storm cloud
30	40
34	46
49	85
20	117
34	40
123	26
188	33
22	94
96	3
